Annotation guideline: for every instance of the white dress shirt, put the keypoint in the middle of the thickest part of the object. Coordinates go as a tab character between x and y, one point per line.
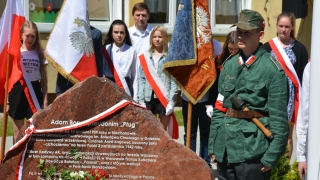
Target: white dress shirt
303	116
141	43
140	40
126	58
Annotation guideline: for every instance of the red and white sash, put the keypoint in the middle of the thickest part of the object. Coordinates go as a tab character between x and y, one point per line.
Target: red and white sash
33	130
283	58
160	90
29	91
115	69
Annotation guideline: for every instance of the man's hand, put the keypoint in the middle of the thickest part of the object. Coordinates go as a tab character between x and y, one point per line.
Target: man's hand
265	168
302	168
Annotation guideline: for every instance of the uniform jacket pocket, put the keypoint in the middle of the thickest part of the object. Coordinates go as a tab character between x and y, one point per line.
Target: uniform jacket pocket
255	143
255	86
228	87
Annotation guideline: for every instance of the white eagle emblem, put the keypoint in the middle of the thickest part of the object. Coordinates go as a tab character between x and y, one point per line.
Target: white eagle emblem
82	41
202	23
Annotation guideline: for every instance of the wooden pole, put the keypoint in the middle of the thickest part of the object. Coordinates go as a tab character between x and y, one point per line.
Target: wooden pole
5	115
189	119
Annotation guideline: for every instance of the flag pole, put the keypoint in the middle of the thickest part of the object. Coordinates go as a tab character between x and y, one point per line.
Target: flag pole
5	115
189	124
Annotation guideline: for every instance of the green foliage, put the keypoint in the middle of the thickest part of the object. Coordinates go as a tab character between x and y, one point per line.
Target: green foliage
285	171
9	131
293	174
179	117
76	156
282	168
41	164
65	173
68	174
73	151
49	171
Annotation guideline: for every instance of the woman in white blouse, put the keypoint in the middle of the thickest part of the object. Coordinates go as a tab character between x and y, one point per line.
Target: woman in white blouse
120	57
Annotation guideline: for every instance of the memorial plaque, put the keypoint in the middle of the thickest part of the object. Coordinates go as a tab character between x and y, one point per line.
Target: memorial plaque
111	132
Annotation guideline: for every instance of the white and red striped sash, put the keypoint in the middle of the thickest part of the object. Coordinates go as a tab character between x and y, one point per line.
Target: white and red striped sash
32	130
29	91
115	69
283	58
160	90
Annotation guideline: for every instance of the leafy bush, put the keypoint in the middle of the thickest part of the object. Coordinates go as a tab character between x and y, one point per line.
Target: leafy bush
283	167
285	171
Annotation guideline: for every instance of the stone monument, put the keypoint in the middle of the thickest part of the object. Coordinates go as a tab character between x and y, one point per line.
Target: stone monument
110	131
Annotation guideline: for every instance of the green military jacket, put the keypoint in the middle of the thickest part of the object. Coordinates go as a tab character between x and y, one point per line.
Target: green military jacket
262	85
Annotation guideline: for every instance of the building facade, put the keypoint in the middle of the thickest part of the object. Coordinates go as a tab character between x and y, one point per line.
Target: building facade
163	12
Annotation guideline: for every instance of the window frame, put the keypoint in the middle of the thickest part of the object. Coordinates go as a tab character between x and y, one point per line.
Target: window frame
171	19
224	29
216	29
102	26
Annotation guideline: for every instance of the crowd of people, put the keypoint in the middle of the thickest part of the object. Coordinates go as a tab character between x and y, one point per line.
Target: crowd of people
247	70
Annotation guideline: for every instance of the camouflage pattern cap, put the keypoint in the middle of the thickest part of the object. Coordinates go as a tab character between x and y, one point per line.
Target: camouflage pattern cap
249	20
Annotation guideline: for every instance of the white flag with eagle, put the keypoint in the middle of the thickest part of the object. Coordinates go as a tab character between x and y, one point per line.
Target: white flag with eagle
70	48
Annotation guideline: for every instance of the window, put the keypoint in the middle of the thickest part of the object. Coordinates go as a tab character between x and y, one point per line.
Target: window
162	13
224	13
159	11
44	12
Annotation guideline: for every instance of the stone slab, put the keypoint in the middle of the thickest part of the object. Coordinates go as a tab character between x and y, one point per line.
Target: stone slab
129	144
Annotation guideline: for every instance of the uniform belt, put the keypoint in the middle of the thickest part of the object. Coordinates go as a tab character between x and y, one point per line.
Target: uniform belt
244	114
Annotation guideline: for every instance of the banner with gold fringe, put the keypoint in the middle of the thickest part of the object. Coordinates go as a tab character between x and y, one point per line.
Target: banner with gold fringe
190	56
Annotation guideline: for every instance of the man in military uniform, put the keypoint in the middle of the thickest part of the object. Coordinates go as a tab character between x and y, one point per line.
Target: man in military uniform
239	147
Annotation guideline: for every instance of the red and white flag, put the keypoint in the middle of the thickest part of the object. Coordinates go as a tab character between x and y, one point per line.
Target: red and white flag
70	48
10	23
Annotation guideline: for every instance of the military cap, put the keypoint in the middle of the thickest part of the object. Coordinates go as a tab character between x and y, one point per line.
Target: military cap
249	20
